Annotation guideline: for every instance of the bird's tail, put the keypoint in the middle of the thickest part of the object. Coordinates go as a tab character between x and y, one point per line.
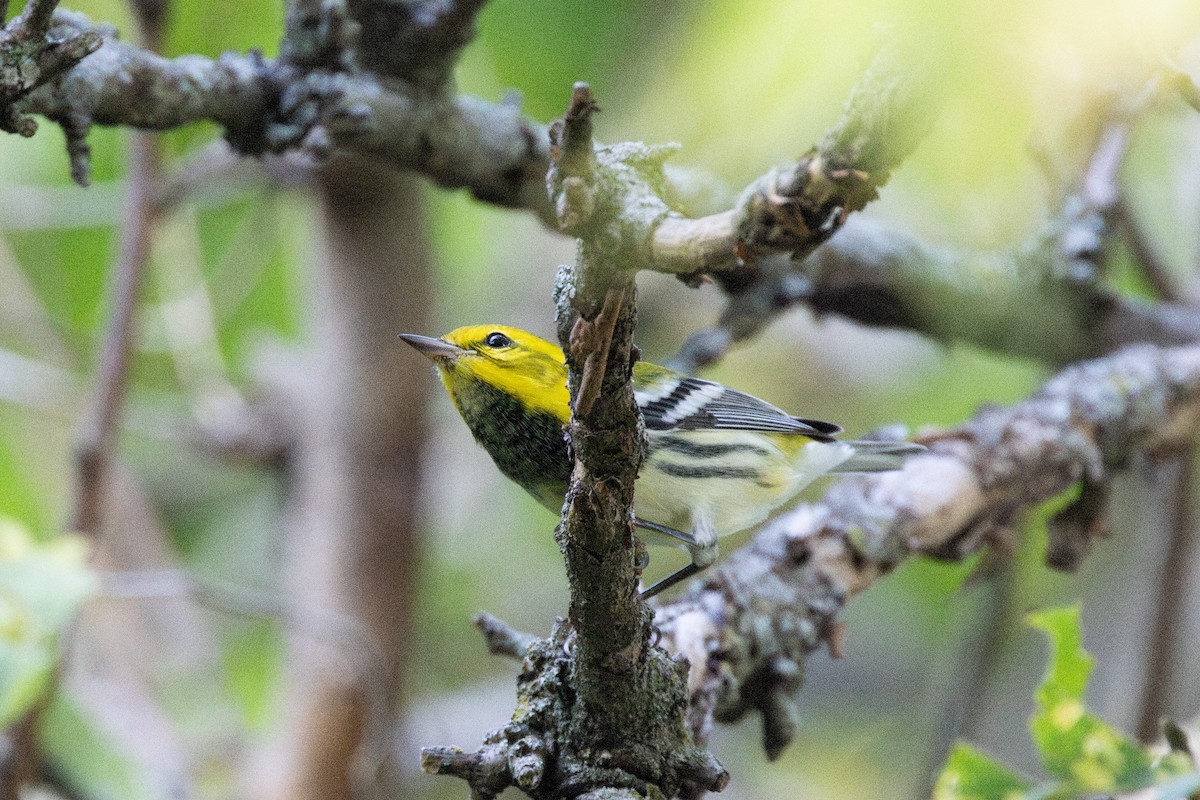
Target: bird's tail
878	456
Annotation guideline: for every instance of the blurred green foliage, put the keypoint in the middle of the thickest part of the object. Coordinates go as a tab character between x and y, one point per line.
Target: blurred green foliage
86	757
42	585
742	85
1084	756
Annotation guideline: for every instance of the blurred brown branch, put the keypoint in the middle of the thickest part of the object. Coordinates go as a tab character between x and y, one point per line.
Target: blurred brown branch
353	545
97	439
98	431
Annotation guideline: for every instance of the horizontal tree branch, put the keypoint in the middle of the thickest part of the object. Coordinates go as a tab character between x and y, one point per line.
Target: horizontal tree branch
794	209
749	628
492	149
1013	302
310	99
1029	301
1043	299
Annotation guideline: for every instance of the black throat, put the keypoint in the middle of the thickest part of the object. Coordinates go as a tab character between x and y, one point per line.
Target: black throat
529	446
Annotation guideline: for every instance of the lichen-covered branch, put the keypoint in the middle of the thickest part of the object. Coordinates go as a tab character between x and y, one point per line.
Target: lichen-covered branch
30	58
793	210
749	628
1044	299
596	318
1014	302
122	84
396	105
274	106
601	710
319	98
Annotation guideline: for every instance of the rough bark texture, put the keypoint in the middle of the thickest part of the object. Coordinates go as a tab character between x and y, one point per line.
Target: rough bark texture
1045	299
320	103
749	629
601	710
793	210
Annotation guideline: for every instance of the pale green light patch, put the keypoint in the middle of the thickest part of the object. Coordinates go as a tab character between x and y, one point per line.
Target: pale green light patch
41	587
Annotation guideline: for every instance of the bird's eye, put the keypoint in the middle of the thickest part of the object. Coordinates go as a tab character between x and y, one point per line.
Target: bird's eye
497	339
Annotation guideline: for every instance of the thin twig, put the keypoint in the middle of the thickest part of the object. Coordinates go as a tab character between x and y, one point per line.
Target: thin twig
1172	607
501	638
1145	253
35	17
972	659
598	341
98	431
1167	286
97	436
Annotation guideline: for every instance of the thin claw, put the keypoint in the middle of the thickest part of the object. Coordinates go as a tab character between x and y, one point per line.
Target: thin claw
686	538
671	580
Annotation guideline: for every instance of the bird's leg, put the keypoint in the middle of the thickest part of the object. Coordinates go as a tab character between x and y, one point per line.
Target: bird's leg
686	538
671	580
702	547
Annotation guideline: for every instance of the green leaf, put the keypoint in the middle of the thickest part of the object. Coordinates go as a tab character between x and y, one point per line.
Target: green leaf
41	587
86	758
970	774
1077	747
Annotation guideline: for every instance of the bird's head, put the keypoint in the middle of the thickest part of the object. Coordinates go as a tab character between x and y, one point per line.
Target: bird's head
509	359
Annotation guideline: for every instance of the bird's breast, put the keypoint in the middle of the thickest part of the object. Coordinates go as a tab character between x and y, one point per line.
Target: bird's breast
529	446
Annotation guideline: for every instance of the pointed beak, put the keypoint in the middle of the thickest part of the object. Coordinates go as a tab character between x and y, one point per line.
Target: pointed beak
433	349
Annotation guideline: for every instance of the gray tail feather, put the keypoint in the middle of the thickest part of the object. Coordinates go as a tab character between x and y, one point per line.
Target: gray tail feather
878	456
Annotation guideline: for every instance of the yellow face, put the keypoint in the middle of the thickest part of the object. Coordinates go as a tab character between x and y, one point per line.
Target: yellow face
516	362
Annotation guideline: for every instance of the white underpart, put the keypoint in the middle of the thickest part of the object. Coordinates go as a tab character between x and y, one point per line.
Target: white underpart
817	459
692	402
719	507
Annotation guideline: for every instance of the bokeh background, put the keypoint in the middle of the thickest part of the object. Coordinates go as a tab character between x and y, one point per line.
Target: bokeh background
741	86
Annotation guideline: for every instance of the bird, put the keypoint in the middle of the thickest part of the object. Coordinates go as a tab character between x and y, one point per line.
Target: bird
718	460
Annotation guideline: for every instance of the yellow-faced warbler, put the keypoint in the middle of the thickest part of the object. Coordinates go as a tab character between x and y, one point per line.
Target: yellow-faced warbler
718	460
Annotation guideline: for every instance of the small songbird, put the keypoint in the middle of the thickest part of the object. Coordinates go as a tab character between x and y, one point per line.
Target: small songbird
718	460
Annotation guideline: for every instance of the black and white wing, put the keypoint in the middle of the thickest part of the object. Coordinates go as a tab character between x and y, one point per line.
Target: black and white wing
669	401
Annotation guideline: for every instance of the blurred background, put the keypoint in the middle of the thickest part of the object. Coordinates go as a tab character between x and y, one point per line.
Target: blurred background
168	688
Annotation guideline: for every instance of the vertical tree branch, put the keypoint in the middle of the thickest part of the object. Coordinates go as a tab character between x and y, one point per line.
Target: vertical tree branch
35	17
601	709
597	316
97	436
1172	609
353	543
1164	662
